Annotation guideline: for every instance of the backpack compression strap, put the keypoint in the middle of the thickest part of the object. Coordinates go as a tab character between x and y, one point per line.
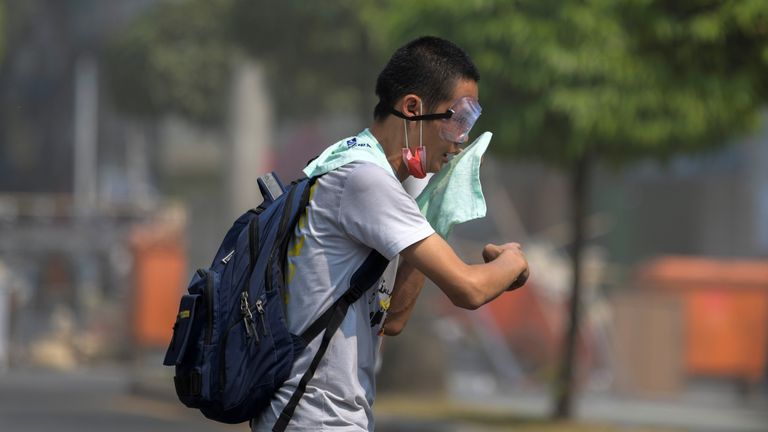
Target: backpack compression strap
365	276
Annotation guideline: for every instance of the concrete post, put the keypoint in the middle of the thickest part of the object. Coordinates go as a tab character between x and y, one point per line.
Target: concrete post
86	136
251	135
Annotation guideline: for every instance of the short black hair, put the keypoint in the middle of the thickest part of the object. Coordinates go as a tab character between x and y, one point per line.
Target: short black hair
428	67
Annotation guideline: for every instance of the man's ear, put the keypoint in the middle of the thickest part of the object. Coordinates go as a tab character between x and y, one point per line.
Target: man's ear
410	105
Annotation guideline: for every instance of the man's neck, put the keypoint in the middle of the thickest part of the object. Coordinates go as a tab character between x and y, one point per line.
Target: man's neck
390	136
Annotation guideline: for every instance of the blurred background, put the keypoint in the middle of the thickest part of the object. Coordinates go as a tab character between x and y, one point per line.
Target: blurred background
630	158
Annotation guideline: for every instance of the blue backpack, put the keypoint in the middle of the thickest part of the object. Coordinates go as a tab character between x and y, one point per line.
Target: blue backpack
231	346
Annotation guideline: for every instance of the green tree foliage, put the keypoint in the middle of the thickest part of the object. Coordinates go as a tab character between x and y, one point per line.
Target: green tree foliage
616	78
177	58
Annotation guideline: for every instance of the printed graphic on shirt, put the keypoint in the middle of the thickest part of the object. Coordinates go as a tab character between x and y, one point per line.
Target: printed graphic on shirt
352	142
378	301
297	244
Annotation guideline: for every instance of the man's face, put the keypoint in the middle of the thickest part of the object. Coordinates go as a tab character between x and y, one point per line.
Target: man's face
438	148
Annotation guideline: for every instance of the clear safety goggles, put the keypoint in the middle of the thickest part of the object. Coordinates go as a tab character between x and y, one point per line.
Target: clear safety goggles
457	120
464	114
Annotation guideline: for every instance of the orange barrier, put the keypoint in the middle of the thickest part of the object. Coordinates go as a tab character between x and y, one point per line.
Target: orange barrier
160	278
726	312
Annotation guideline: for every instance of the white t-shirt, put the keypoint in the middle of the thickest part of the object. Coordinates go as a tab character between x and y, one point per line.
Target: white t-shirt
353	209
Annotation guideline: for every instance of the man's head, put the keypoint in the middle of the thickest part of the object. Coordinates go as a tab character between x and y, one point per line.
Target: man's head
428	90
429	67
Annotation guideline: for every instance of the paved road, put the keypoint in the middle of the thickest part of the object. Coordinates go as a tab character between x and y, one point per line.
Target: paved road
108	400
695	411
37	401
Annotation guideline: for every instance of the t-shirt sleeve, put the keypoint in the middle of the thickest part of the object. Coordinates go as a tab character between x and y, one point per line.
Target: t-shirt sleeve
376	211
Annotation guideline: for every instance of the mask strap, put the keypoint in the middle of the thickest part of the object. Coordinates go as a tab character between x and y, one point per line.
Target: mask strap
421	125
421	128
405	130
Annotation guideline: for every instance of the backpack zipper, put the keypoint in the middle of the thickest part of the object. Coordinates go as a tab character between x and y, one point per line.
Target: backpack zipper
245	310
208	303
222	351
250	330
209	330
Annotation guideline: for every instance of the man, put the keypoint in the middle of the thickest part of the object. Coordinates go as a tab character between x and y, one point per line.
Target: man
428	95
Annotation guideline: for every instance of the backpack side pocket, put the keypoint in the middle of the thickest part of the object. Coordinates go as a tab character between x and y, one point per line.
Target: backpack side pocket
181	330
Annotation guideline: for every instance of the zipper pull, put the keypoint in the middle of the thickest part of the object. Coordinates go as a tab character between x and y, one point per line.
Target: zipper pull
228	257
260	310
245	309
249	330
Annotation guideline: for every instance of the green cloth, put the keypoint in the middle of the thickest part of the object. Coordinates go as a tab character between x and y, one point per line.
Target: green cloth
363	147
455	195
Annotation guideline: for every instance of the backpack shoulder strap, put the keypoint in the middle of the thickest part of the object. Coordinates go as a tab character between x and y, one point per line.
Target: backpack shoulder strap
364	277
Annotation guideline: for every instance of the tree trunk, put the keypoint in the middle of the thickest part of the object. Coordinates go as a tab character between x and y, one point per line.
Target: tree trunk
564	384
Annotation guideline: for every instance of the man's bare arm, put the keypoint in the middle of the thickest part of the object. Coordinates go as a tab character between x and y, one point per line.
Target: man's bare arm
467	286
